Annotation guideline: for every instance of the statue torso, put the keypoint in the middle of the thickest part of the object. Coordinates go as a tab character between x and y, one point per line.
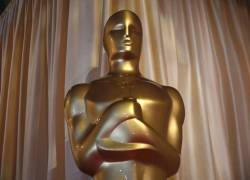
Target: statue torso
154	101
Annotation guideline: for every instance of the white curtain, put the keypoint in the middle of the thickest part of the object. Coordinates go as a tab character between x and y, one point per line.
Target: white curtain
200	47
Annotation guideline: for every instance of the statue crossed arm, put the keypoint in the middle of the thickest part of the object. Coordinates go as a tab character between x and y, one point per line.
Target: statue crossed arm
124	122
80	128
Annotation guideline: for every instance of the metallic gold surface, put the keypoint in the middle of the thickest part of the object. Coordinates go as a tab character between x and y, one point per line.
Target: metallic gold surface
124	126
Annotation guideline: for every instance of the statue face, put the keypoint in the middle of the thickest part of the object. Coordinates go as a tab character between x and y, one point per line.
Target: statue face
123	36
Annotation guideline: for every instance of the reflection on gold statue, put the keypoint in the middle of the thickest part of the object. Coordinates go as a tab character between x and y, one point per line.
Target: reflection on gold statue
124	126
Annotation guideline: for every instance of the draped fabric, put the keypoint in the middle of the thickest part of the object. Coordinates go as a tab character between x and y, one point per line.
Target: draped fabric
33	50
200	47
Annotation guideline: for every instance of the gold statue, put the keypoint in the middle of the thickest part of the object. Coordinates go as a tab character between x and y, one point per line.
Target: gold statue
124	126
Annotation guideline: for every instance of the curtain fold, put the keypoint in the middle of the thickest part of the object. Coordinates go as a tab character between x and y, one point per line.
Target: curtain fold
33	46
200	47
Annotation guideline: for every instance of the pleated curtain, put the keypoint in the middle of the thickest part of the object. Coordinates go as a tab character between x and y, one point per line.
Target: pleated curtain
200	47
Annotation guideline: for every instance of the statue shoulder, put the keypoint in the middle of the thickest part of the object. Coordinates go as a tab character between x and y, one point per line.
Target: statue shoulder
74	101
172	92
77	91
177	101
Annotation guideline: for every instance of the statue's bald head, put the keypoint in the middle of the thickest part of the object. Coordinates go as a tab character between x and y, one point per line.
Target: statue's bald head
123	35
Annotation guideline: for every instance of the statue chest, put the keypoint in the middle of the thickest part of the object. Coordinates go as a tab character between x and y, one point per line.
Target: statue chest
155	104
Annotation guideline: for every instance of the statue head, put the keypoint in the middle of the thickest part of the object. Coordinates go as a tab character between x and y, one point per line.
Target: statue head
122	41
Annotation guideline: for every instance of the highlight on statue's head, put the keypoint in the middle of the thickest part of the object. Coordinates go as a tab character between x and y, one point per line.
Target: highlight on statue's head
122	37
